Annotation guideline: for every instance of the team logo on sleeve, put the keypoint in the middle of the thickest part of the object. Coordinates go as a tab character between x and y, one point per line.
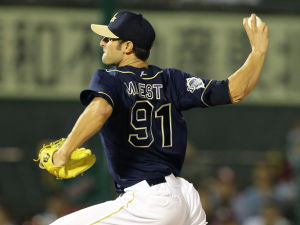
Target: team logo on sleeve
194	83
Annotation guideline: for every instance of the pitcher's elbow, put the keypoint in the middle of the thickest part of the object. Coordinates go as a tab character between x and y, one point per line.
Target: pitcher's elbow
238	97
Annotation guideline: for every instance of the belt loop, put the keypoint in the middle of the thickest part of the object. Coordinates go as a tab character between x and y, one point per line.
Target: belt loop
156	181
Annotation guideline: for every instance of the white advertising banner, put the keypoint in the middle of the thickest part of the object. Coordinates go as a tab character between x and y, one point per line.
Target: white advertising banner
50	53
46	53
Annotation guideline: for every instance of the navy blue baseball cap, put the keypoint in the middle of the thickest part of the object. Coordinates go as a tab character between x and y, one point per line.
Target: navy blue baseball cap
128	26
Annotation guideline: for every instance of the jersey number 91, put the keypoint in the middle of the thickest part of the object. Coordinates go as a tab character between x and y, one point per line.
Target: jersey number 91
141	121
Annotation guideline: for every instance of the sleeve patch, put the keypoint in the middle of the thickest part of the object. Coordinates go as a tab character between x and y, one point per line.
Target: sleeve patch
194	83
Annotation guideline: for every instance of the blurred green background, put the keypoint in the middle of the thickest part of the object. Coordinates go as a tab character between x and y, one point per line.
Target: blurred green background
244	159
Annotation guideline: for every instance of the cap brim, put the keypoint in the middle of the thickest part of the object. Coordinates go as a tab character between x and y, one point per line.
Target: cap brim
103	30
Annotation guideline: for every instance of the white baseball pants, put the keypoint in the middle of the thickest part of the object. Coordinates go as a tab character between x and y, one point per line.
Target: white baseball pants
175	202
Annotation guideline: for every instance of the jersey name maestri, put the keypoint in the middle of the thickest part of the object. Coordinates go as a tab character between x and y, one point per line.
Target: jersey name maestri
146	91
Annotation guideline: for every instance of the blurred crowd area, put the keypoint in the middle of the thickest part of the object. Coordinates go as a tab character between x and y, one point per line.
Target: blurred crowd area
266	195
269	197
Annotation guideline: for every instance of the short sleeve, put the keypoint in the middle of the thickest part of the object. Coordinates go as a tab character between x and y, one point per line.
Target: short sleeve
192	91
102	85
